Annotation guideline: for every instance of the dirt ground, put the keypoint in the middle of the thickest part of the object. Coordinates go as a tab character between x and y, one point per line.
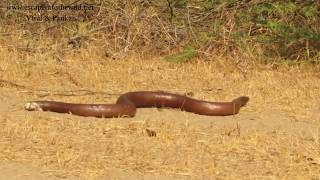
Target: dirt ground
275	136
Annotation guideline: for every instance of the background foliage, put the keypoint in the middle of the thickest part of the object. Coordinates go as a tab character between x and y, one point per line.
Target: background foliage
178	29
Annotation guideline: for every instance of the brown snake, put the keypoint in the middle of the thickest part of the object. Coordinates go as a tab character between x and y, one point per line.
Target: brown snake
127	103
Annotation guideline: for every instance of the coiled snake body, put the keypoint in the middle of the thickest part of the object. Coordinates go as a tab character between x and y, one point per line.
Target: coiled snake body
127	103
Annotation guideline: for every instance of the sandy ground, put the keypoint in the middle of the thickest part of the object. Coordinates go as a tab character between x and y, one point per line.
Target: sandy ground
16	171
269	121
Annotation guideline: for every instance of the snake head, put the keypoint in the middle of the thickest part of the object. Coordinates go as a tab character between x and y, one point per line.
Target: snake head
32	106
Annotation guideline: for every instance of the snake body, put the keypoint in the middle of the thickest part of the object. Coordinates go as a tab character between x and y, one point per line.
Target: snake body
127	104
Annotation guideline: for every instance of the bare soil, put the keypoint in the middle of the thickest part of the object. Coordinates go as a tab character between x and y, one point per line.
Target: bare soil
275	136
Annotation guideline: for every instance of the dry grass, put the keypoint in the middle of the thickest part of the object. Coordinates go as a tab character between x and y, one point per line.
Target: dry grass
88	147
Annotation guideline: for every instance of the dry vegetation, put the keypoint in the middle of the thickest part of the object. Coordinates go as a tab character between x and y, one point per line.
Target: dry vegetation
250	145
89	147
